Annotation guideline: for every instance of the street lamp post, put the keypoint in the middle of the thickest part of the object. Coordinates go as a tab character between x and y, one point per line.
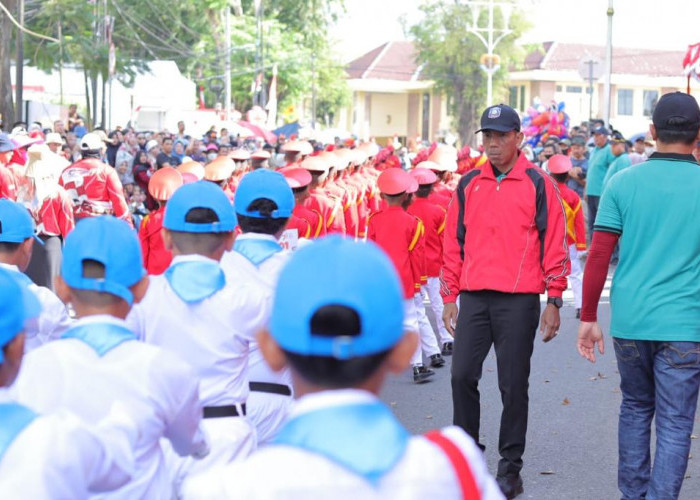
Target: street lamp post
608	63
490	37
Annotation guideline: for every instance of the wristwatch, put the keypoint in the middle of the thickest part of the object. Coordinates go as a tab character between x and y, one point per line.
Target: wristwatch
556	301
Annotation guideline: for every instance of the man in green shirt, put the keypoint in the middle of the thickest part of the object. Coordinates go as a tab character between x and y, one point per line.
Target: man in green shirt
618	147
653	210
598	163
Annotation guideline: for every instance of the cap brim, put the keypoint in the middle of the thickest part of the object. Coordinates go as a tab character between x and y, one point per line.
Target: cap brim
498	129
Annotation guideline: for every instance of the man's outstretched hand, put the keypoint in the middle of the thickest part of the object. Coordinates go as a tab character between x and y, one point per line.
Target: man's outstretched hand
590	334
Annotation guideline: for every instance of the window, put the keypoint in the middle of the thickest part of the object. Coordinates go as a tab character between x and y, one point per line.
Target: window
624	102
558	88
571	89
513	97
650	99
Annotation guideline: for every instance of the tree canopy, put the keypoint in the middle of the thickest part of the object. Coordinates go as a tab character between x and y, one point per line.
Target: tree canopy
451	55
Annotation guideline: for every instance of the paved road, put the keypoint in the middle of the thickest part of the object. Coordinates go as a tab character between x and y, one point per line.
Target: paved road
572	436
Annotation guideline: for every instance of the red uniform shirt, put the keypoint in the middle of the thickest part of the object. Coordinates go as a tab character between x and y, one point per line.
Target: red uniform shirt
575	224
95	190
156	258
329	209
308	218
440	195
55	216
8	185
433	218
399	234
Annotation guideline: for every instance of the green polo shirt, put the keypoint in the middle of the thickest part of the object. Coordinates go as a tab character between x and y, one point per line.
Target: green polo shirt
655	207
598	164
620	163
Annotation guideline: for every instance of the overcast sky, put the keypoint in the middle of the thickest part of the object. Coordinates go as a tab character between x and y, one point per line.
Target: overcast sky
663	24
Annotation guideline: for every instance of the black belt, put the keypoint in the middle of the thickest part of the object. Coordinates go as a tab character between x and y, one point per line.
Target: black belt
223	411
281	389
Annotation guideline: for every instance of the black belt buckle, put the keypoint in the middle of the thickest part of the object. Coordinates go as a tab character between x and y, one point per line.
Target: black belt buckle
281	389
223	411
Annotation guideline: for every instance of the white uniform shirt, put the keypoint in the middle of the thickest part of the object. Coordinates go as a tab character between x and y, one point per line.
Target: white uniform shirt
159	390
52	321
285	472
58	456
212	335
242	272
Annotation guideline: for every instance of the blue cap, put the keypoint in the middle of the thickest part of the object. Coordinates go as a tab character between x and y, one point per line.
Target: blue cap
263	183
201	194
6	143
356	275
16	225
17	305
111	242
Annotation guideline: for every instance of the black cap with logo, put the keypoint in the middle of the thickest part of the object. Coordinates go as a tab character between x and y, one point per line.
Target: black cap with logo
500	118
676	111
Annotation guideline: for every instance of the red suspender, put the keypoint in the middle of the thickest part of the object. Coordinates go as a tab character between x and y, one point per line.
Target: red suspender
459	463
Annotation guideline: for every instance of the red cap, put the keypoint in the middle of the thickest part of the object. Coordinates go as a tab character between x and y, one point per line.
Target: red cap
164	182
316	163
424	176
189	178
192	167
219	169
296	177
395	181
559	164
303	147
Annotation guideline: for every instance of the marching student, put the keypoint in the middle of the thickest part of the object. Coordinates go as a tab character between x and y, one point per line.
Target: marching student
341	333
161	186
194	311
99	359
559	167
400	235
55	455
17	240
433	218
264	203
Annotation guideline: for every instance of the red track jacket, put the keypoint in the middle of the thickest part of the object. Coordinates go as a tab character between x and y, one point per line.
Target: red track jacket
507	235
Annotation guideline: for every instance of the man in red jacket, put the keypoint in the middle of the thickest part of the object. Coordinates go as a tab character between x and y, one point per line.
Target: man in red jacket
94	186
504	244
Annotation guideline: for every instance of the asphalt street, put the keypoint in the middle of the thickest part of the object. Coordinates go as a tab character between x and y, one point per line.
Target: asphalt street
572	434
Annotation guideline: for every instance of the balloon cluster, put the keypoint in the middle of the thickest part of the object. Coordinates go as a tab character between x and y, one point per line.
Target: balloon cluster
542	122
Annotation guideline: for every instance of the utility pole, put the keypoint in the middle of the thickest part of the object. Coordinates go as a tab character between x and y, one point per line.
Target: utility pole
227	63
490	62
608	64
19	69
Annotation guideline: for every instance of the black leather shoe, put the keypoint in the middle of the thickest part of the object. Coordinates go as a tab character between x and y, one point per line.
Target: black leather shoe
422	374
436	361
511	486
447	348
578	313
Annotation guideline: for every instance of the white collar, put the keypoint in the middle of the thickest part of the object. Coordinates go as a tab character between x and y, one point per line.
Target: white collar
9	266
325	399
99	318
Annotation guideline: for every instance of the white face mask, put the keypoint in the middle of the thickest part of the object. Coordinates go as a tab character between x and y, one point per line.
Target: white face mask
212	156
648	150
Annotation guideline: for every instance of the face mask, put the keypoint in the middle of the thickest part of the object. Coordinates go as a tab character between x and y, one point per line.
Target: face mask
648	150
212	156
548	156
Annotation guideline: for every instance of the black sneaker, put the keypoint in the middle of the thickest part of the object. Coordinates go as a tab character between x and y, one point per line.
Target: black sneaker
421	374
436	361
578	313
511	486
447	348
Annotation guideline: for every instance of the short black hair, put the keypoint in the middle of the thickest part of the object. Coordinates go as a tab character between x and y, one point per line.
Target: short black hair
325	371
199	243
8	247
560	177
94	269
265	224
167	138
424	190
679	131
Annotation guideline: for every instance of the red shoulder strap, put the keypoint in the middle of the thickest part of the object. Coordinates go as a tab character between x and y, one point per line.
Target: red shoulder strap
459	463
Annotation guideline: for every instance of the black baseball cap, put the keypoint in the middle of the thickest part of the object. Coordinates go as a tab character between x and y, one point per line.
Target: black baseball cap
617	137
500	118
578	140
601	130
676	111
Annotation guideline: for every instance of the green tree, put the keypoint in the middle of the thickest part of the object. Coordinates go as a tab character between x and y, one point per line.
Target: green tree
451	57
